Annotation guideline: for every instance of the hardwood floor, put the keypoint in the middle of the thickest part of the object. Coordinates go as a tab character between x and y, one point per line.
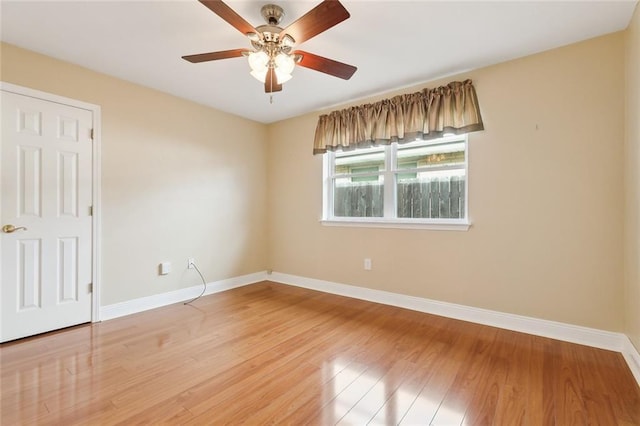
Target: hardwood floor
275	354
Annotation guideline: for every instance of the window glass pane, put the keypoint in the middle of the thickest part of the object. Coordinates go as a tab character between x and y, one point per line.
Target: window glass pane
425	180
365	169
435	194
449	154
353	198
362	161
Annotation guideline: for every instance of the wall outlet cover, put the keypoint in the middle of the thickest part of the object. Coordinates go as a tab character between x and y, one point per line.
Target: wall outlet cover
165	268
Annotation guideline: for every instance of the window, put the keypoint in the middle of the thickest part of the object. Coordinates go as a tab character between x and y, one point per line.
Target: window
422	183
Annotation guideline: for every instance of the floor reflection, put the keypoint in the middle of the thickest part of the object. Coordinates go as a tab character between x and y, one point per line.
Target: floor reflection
356	394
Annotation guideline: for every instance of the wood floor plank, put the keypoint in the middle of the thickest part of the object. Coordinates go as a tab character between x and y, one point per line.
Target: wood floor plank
449	371
378	356
518	402
379	402
269	358
275	354
302	395
407	388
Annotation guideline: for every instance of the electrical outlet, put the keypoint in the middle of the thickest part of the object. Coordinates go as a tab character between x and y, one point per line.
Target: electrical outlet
191	263
367	264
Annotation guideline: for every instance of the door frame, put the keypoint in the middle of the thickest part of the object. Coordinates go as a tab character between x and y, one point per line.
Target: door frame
96	181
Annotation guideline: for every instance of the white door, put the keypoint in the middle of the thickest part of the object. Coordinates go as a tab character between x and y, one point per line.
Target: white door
46	184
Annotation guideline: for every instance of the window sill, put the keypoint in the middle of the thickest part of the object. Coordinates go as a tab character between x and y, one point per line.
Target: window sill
437	225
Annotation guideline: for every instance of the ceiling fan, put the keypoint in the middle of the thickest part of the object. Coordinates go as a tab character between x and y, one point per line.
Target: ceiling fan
272	58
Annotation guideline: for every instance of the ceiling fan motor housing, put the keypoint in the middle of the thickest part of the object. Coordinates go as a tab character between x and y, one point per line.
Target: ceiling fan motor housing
270	33
272	13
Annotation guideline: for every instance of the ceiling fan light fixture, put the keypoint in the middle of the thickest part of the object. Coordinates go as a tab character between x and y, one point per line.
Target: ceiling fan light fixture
258	61
284	63
281	76
260	75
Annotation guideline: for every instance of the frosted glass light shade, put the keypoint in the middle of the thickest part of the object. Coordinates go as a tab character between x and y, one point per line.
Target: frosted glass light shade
282	77
260	75
284	63
258	61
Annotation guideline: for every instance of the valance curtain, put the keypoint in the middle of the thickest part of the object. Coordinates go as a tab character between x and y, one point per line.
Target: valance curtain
427	114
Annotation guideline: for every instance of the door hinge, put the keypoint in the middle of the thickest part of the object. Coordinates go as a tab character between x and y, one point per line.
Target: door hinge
90	287
91	134
90	210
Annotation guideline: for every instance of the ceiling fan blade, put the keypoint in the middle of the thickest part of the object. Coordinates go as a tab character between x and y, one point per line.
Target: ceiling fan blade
325	65
271	82
319	19
214	56
225	12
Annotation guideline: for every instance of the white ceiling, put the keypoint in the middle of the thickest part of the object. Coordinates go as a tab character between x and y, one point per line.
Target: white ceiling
393	43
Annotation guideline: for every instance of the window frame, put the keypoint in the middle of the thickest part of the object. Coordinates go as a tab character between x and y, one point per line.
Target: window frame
390	219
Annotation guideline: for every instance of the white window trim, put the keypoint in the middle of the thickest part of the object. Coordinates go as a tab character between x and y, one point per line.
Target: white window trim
395	223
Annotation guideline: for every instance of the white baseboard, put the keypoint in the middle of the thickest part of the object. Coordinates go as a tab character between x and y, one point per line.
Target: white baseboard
158	300
555	330
632	356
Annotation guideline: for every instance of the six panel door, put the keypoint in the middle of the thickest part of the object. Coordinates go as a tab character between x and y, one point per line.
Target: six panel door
46	184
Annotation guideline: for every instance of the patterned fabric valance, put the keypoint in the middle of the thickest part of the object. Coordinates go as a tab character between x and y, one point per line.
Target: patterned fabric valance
427	114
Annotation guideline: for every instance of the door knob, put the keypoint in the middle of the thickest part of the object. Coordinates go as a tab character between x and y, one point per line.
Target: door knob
10	228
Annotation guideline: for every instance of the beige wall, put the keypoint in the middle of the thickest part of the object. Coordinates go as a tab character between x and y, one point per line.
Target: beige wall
632	180
546	191
546	199
179	180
